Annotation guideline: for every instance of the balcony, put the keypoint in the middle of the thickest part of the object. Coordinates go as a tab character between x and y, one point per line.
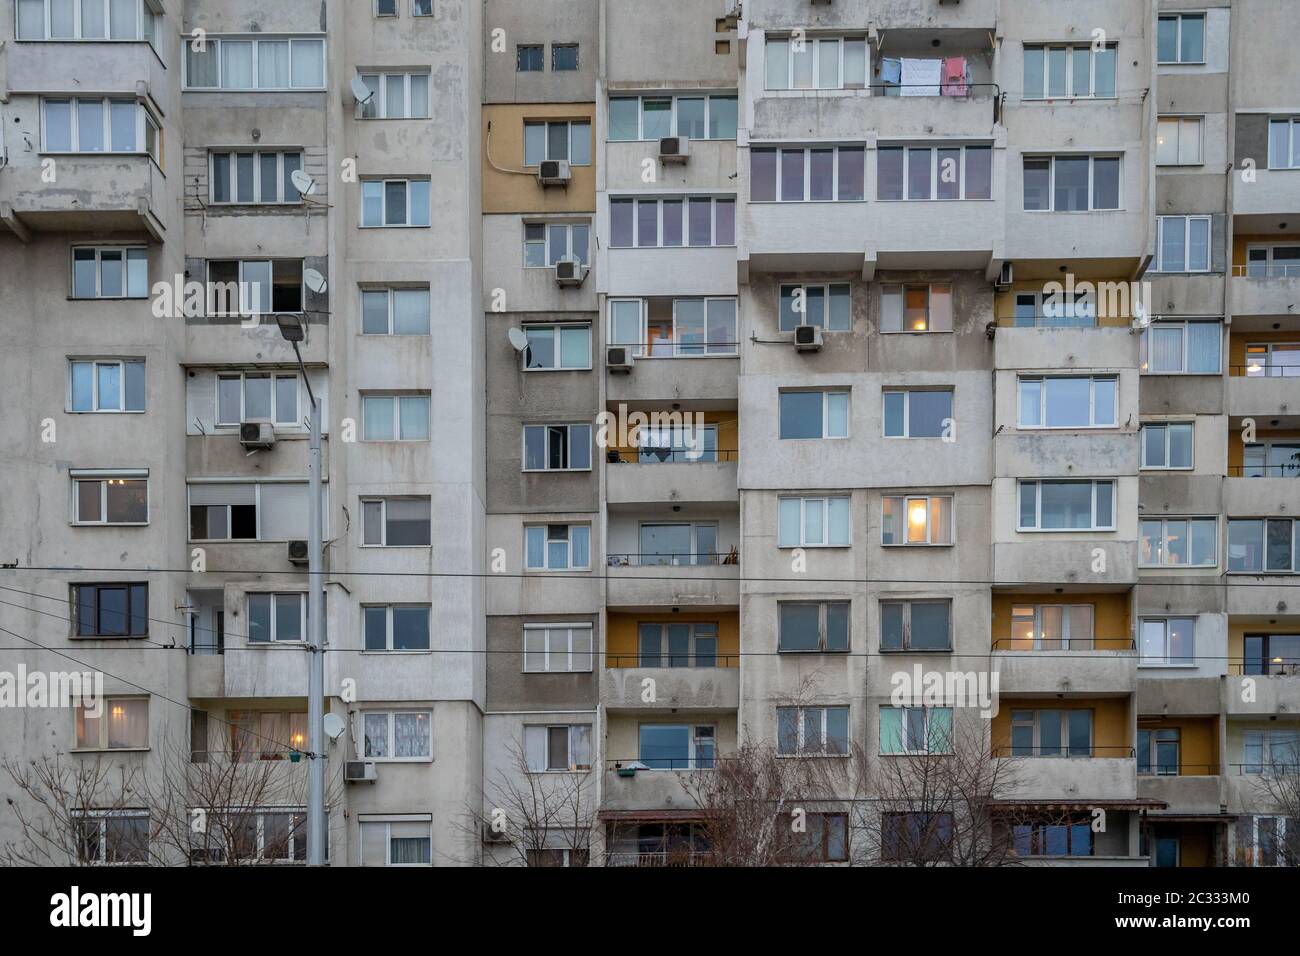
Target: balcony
1263	389
1050	346
1273	694
1268	494
672	478
1065	559
646	581
221	340
629	789
106	193
108	67
1196	790
688	688
1115	240
1067	671
1256	206
1110	774
938	235
797	237
686	379
1271	290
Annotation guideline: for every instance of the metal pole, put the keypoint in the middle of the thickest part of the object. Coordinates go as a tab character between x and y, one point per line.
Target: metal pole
316	834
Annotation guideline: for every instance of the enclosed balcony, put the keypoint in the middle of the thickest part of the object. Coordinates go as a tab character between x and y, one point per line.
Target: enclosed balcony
107	193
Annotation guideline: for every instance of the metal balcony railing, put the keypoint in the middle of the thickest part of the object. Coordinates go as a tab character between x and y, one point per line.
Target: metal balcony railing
1260	667
1270	768
1063	644
660	858
1267	270
662	559
1078	752
1263	369
1264	471
1044	321
661	456
692	660
1157	769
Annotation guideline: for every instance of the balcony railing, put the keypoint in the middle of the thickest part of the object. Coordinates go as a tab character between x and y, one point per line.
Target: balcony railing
1270	270
661	559
630	766
660	858
667	348
1077	752
1265	471
1065	644
1271	768
665	456
694	660
1157	769
1264	370
944	88
1044	321
1273	667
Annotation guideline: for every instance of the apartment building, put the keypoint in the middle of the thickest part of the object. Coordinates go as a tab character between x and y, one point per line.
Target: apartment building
824	345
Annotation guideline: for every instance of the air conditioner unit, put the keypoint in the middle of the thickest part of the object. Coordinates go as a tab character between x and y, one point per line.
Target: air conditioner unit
554	172
807	338
569	271
674	149
256	435
494	836
1005	277
298	553
618	358
357	771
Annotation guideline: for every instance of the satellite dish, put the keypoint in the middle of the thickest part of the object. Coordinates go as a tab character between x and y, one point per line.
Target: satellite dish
315	281
334	726
518	339
302	182
363	93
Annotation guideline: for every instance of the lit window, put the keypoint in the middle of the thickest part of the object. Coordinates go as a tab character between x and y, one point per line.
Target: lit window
1179	542
920	519
113	723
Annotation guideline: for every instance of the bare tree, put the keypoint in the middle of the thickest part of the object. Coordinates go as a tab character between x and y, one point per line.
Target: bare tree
1277	790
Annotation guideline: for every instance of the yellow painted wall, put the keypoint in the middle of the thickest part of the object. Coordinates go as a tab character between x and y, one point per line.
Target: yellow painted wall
620	634
1198	743
519	192
1004	303
1237	632
728	433
1110	616
1236	450
1110	722
1238	341
1240	243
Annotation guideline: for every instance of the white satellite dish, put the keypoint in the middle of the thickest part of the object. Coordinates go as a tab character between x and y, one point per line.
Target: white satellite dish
334	726
363	93
518	339
302	182
315	281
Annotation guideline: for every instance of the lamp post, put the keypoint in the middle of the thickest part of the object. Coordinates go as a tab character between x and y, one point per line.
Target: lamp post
292	329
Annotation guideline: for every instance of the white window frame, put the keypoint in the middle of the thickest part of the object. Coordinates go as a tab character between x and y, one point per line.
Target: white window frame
781	150
380	13
577	62
101	819
101	745
573	731
395	407
1180	122
1178	37
1083	306
936	164
707	95
1037	527
1293	129
568	447
257	154
907	411
103	478
1265	447
146	21
144	119
383	223
371	824
95	398
1182	369
1062	745
818	42
388	628
274	378
1164	521
826	394
546	124
378	106
1165	426
570	247
1070	93
1092	181
1291	266
392	307
906	637
383	501
1164	660
573	663
827	290
822	502
99	251
704	350
545	529
1091	425
822	713
557	328
1163	221
214	45
926	712
272	596
900	288
823	627
696	733
685	200
905	502
391	744
415	9
246	307
1068	642
1263	568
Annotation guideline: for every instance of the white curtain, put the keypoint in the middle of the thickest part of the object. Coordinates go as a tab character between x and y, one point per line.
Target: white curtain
272	64
128	722
308	64
411	735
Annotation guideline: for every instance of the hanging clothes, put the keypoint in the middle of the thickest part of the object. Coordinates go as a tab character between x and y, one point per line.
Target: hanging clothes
954	76
891	74
921	77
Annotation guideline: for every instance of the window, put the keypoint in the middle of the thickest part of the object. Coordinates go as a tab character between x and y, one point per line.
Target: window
916	308
1066	71
813	522
106	385
277	618
1033	309
1168	640
1271	459
1070	836
530	57
805	626
816	63
557	448
114	723
254	286
677	746
1267	841
677	645
812	730
1071	183
267	734
1272	260
916	625
395	311
824	306
402	841
917	413
282	63
394	202
564	57
675	222
396	96
814	414
557	857
1180	38
117	498
257	397
928	519
1067	401
557	347
934	172
1067	506
110	610
916	836
1167	445
1272	359
1272	654
654	116
1157	751
1270	751
545	244
674	328
1178	141
806	174
253	177
394	417
1179	543
557	648
1181	348
1051	733
557	747
110	272
397	736
248	510
1051	627
87	20
825	839
108	837
558	139
396	522
677	544
396	627
99	125
915	730
557	547
1261	545
1283	143
385	8
1182	244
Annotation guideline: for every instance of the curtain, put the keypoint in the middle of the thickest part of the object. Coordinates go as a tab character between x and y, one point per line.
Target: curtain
236	64
1203	347
128	722
308	64
376	735
411	735
121	19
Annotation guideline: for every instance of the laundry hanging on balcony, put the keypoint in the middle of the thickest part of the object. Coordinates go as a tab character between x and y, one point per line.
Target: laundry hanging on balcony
891	74
921	77
956	76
